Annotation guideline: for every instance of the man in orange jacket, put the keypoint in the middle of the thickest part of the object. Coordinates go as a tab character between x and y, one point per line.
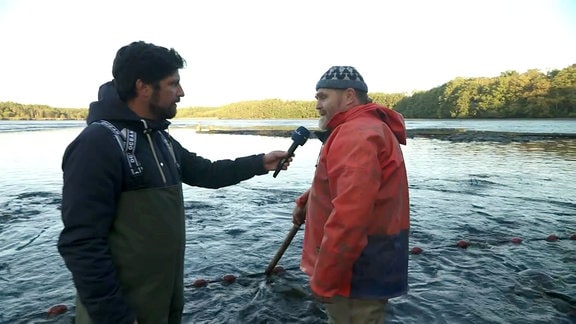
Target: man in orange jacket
357	210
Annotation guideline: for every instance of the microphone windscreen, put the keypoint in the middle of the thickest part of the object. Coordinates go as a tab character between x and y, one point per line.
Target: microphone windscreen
300	135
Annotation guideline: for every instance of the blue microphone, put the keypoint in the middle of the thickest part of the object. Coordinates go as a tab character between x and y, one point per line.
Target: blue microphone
300	136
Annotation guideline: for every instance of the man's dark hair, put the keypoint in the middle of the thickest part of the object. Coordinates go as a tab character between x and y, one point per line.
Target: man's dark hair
144	61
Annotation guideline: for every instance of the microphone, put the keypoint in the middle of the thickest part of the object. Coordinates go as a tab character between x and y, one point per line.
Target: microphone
299	136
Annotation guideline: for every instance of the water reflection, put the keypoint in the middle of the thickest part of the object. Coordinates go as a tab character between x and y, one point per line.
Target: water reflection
562	148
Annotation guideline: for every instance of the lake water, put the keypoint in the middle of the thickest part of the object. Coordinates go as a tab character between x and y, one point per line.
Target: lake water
485	193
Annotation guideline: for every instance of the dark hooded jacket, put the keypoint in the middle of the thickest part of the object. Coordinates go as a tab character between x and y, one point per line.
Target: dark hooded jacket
122	208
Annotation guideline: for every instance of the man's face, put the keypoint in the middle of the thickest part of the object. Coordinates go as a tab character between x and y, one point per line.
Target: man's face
165	96
329	102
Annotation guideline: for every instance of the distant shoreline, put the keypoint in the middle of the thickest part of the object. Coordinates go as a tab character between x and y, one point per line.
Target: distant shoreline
447	134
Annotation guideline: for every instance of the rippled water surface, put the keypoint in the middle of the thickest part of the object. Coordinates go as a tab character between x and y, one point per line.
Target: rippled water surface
485	193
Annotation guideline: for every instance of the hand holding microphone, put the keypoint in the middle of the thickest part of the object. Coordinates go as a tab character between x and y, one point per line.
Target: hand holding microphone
299	137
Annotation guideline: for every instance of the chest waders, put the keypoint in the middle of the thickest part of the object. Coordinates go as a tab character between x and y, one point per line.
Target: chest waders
147	243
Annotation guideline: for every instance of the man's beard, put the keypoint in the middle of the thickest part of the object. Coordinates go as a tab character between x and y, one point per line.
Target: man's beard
322	123
161	112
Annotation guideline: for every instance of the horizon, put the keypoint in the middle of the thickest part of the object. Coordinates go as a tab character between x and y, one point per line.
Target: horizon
180	106
257	50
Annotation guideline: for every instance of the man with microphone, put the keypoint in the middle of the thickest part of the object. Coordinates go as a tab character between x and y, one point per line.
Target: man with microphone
122	202
356	212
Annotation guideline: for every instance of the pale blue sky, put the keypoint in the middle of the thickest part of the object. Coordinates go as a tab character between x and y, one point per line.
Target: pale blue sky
58	52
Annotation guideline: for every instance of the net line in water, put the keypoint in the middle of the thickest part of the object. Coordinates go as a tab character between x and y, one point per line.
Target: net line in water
229	279
464	244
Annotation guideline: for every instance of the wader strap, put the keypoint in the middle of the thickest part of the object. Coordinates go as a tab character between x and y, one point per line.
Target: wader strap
127	141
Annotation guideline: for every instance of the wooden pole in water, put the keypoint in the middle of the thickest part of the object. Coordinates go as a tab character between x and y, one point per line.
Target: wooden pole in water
282	249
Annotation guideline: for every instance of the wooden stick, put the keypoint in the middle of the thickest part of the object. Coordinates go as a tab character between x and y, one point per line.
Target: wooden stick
282	249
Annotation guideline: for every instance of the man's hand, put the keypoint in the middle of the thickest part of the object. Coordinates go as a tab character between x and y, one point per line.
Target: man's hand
298	215
272	159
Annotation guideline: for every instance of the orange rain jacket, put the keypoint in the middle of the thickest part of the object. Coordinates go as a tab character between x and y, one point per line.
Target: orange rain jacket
357	210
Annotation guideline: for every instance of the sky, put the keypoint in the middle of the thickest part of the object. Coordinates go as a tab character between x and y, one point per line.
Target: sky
58	52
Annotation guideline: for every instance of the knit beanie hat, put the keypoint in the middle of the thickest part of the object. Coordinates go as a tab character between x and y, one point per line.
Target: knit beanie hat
342	77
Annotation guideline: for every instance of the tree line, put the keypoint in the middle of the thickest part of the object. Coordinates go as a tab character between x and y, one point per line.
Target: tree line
15	111
532	94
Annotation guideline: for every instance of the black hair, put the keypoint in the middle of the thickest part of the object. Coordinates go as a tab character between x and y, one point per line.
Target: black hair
144	61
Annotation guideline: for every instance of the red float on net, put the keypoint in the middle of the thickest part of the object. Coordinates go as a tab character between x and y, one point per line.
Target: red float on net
228	279
463	244
416	250
552	238
516	240
200	283
57	310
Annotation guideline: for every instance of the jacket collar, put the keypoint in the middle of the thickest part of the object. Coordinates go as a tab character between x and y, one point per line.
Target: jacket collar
341	117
